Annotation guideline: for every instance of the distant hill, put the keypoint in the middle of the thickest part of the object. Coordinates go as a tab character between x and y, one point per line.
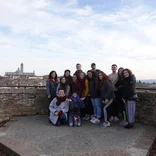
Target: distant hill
147	81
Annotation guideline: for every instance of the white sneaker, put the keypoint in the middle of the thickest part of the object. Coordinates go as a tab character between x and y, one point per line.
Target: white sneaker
106	124
116	119
92	116
96	121
123	123
87	118
92	119
111	119
84	118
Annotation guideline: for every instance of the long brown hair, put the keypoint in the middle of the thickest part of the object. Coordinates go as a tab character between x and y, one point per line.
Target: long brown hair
103	81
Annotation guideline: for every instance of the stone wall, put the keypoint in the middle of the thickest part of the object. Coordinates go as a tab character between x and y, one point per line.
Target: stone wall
146	108
30	101
23	81
23	101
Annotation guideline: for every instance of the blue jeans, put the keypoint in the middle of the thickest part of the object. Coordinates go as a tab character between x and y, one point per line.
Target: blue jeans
71	121
61	120
97	107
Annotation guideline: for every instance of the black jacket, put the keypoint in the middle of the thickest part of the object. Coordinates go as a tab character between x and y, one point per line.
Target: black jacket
74	109
129	88
119	82
106	92
94	91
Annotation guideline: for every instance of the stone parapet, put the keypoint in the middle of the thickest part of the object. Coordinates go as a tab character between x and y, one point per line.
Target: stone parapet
31	101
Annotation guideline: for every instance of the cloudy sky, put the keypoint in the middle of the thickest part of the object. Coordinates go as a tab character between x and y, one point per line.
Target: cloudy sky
56	34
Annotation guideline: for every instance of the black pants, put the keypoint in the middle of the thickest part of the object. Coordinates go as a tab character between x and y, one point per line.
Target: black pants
120	104
88	109
115	106
88	105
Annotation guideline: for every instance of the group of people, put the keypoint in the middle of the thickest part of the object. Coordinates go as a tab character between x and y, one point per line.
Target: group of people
92	96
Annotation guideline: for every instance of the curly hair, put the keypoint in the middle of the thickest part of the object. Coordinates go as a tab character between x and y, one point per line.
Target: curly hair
51	73
128	70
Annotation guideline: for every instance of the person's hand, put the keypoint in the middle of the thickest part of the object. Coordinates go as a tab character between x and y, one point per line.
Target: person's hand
60	112
69	100
124	101
56	113
49	96
75	117
103	102
83	98
106	101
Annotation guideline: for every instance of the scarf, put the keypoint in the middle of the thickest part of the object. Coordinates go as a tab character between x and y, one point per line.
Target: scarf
60	100
51	79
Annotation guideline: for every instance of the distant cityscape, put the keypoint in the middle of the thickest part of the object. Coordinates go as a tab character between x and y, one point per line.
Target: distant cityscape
147	81
20	72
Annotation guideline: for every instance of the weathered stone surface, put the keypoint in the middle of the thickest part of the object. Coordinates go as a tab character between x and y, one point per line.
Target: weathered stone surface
146	108
35	135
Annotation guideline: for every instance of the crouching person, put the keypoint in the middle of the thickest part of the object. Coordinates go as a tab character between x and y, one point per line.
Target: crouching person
59	107
74	110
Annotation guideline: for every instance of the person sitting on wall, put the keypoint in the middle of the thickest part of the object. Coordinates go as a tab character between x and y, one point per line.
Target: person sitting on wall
59	107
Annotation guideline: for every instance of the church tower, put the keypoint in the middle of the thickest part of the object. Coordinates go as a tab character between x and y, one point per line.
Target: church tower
22	66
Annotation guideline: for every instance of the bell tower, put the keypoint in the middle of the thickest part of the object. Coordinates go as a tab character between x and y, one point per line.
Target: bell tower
22	66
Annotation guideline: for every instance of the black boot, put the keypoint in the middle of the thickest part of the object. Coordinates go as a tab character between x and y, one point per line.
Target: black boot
129	126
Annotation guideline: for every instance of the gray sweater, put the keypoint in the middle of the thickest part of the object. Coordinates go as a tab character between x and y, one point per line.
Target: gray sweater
64	107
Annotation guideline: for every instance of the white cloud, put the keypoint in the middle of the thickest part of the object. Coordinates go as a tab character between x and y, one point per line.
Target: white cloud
48	34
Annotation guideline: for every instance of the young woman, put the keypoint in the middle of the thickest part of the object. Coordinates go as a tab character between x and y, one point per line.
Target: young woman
83	84
68	77
95	96
107	95
119	86
75	86
83	91
64	86
129	96
51	86
59	107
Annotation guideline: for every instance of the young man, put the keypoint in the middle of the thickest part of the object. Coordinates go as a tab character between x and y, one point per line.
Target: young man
114	76
93	68
78	69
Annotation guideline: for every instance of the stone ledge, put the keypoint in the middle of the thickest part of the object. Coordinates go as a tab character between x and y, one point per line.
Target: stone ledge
7	151
13	148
